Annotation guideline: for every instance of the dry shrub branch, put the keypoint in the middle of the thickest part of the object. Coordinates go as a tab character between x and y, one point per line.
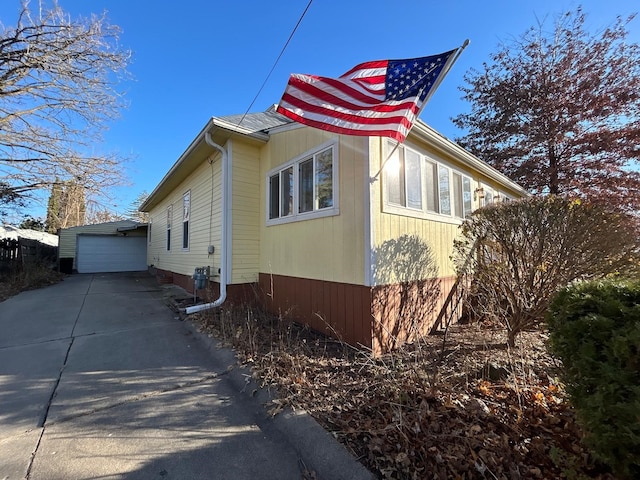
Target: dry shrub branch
523	252
468	407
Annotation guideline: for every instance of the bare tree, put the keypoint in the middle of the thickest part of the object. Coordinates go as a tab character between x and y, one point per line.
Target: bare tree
58	79
100	214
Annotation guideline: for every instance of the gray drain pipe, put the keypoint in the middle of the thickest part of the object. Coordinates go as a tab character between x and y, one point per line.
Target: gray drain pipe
226	204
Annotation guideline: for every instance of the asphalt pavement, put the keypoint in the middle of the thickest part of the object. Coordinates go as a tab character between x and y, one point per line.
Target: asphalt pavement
100	379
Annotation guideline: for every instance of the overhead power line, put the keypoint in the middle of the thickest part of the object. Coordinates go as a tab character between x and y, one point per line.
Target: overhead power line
276	61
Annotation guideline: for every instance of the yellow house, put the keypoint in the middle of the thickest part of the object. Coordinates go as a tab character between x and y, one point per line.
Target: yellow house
325	228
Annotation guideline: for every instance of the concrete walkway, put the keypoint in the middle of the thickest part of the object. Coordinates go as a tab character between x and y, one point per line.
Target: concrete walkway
100	380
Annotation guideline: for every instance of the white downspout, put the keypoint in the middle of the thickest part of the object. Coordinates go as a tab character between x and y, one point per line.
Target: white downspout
226	203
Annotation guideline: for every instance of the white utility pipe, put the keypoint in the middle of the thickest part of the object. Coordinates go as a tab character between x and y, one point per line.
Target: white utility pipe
223	231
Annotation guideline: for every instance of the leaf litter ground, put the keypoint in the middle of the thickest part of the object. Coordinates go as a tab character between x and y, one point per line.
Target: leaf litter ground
454	406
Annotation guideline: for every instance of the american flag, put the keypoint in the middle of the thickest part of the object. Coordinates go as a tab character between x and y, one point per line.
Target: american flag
379	98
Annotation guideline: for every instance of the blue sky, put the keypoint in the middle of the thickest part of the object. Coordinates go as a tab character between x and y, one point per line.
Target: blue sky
202	58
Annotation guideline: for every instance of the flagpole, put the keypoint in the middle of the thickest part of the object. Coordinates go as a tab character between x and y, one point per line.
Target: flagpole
375	177
447	66
445	70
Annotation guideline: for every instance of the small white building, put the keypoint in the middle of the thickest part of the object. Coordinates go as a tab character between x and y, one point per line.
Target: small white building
104	247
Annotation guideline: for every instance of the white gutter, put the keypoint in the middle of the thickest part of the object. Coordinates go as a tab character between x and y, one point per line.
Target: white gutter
224	228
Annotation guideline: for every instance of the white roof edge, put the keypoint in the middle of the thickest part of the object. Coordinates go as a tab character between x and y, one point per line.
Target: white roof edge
238	129
113	222
212	122
424	131
286	127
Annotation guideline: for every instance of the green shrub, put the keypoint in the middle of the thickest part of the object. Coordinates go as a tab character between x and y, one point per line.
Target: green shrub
595	331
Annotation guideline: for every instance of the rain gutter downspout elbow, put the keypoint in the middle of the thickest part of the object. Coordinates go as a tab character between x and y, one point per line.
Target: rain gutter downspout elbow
226	201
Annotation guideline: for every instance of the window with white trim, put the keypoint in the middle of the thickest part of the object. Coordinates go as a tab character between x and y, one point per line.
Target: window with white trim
488	197
418	185
169	220
186	214
462	195
405	179
304	187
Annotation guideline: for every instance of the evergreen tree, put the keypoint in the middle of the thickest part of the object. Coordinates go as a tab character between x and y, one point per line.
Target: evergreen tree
133	213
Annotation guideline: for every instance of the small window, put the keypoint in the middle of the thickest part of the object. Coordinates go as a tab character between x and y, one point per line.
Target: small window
305	180
403	176
169	220
274	196
324	180
462	195
413	181
432	186
444	190
394	177
286	183
281	194
186	214
489	195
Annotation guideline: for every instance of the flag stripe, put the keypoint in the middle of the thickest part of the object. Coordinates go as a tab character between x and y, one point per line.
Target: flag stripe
370	118
354	130
378	65
378	98
329	95
339	89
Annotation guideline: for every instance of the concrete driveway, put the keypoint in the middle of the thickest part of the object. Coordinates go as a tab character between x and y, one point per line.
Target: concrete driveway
100	380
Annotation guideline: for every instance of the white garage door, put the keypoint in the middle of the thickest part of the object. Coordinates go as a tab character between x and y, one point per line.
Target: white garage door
101	253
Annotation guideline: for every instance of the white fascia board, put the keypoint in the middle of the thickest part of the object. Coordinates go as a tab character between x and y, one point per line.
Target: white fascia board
212	124
424	132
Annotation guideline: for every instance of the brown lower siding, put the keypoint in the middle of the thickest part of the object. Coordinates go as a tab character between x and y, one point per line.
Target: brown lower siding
237	294
340	310
401	313
377	318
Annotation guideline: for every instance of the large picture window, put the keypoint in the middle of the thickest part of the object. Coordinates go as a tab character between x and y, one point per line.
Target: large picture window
304	187
419	185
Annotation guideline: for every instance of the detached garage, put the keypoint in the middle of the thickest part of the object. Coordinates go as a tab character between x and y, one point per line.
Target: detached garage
104	247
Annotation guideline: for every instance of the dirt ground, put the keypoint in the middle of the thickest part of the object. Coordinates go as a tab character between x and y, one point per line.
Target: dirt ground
454	406
16	280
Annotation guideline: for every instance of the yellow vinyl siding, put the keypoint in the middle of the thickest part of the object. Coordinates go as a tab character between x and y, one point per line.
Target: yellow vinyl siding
180	260
329	248
245	213
437	231
205	222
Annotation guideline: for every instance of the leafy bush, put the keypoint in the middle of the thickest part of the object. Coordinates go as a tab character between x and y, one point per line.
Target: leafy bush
595	331
518	254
